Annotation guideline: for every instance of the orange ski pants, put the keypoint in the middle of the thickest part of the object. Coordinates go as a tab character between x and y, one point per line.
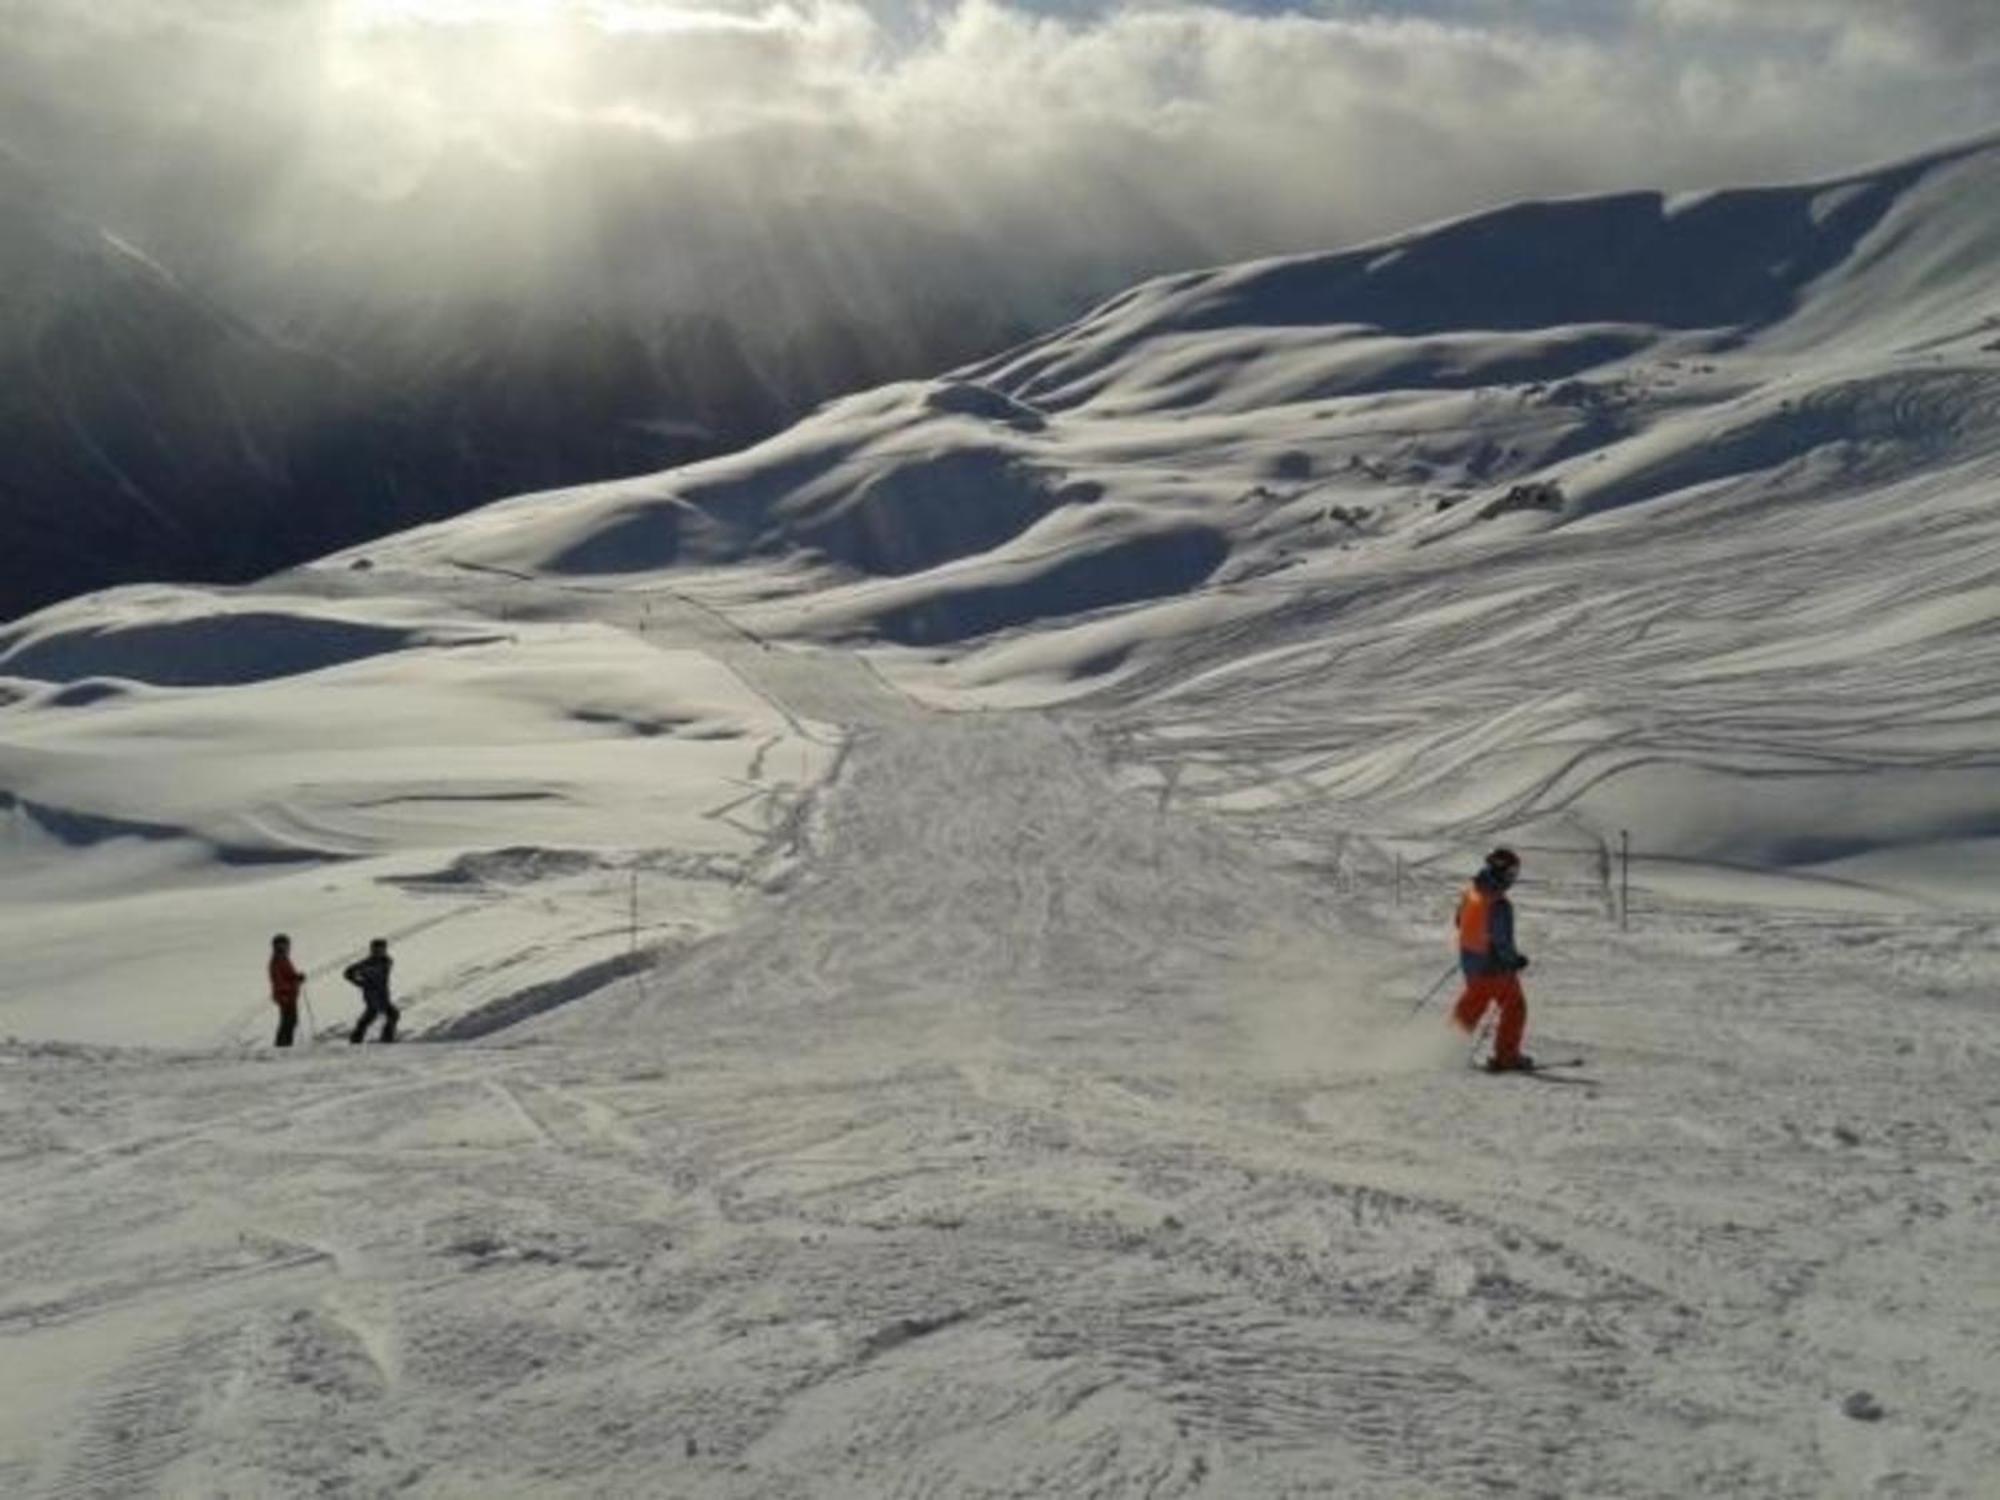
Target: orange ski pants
1503	990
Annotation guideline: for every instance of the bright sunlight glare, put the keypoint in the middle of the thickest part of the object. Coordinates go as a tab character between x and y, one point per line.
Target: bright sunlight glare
365	15
605	15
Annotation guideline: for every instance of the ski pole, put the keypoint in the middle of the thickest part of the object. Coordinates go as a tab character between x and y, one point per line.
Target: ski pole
1450	969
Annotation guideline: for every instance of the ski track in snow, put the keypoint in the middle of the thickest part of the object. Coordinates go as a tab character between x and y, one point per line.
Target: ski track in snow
1040	1136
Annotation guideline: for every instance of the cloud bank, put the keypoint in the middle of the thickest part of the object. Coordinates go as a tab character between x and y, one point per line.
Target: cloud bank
768	157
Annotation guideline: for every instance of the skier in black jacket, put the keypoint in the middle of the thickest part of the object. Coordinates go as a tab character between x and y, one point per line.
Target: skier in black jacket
371	976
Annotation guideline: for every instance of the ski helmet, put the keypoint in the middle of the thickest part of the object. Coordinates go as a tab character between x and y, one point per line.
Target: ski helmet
1504	863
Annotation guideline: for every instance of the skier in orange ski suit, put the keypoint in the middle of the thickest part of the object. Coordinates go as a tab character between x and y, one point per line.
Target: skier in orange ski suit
1491	963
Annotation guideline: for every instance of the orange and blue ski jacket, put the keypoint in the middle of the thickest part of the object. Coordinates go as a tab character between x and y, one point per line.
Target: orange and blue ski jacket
1486	929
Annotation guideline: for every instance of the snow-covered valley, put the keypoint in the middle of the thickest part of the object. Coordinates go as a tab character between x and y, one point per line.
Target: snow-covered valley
910	933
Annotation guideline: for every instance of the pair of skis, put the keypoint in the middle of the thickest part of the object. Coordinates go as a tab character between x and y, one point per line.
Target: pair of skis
1557	1070
1552	1072
1561	1070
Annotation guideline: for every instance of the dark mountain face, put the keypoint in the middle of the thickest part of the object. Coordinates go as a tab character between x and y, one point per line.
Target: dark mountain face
147	433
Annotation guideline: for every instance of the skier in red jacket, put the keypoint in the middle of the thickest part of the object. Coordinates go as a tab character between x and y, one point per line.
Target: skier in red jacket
1491	963
286	984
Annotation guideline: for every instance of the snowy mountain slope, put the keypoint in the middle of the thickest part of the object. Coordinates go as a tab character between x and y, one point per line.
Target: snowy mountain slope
159	423
1338	606
1770	417
214	764
1018	1091
1042	1141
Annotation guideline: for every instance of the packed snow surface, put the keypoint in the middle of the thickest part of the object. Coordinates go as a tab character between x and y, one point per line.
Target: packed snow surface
915	936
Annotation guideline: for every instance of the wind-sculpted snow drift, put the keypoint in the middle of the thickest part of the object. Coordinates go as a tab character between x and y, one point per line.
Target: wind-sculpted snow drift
928	911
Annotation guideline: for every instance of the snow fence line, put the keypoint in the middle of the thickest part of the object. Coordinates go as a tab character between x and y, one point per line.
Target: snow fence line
1602	875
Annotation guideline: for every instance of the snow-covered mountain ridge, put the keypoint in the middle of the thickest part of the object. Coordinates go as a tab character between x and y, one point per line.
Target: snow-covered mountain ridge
1768	418
928	912
1615	514
160	421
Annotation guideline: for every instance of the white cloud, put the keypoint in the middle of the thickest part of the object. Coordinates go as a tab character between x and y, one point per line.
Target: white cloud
592	142
1912	31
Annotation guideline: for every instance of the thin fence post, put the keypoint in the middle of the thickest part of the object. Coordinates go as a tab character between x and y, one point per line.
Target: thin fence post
1624	879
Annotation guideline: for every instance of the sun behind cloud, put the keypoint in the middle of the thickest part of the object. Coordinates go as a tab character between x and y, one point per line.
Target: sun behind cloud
766	158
